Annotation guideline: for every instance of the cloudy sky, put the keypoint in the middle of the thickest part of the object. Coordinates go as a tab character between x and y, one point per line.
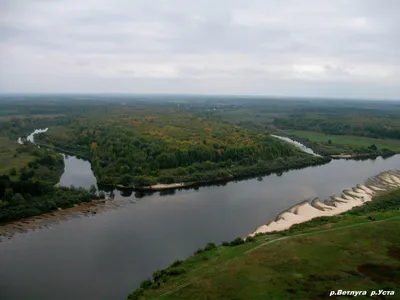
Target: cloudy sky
341	48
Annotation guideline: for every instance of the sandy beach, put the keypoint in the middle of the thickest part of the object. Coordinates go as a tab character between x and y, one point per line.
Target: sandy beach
307	210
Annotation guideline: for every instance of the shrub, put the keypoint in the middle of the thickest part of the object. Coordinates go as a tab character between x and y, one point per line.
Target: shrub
225	244
237	241
13	171
198	251
210	246
136	294
176	271
176	263
158	274
166	179
250	239
144	180
155	285
146	284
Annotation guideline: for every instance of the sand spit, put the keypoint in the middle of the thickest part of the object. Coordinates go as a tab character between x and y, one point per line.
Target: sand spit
357	196
46	220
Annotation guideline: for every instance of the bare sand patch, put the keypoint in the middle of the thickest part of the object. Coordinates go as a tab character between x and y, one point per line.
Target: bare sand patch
307	210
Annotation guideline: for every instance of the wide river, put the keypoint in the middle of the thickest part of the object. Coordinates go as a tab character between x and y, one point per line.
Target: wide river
106	256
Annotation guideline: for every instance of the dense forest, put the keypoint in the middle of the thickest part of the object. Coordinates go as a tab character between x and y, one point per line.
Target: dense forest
146	145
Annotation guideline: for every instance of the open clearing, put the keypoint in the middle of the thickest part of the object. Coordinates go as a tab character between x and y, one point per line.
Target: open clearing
346	139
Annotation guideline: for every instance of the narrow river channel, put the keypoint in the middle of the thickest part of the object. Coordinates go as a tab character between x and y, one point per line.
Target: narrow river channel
106	256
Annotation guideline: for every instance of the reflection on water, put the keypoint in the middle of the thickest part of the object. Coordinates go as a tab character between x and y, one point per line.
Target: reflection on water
77	172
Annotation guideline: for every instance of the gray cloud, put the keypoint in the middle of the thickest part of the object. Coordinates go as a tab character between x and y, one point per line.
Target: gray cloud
322	48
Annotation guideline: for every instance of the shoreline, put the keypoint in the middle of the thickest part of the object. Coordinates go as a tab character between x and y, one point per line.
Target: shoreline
177	185
362	156
86	209
308	210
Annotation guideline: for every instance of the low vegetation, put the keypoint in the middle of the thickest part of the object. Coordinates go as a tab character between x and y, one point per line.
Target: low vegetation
309	260
328	144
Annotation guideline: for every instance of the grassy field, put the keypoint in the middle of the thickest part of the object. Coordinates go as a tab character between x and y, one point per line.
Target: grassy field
8	157
341	144
345	252
347	140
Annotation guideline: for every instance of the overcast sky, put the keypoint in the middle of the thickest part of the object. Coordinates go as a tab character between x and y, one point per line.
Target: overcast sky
341	48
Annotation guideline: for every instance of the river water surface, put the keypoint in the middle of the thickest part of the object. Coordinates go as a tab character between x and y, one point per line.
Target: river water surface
106	256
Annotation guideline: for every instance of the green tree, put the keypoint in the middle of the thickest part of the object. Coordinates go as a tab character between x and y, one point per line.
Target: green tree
144	180
8	194
146	284
13	171
92	190
17	199
210	246
126	179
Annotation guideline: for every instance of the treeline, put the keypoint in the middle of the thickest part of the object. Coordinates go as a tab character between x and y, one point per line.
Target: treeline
368	126
15	206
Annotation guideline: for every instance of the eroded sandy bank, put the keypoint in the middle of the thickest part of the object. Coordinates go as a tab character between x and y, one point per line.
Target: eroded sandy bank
307	210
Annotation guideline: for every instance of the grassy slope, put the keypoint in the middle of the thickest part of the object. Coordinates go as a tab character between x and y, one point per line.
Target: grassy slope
345	252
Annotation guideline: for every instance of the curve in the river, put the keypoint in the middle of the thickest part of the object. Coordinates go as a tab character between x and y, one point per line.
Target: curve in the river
77	172
119	248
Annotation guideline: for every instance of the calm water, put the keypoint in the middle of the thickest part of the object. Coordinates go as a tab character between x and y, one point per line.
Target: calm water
106	256
77	172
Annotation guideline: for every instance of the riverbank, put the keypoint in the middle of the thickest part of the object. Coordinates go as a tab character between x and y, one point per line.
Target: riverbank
307	210
239	173
297	263
45	220
385	154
